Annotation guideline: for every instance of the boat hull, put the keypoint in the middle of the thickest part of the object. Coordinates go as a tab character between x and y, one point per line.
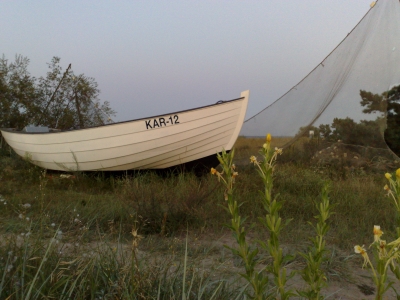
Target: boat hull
153	143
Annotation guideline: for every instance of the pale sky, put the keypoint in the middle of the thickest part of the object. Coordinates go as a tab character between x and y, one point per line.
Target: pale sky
155	57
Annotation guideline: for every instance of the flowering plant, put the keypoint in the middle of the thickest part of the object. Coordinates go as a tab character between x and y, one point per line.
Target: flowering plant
272	222
386	254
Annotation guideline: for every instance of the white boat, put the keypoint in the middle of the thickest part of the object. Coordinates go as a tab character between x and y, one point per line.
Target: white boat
152	143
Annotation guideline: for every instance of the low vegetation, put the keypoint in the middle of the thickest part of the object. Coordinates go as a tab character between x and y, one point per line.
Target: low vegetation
144	235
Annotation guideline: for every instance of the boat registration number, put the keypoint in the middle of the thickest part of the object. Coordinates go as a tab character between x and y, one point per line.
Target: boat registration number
162	122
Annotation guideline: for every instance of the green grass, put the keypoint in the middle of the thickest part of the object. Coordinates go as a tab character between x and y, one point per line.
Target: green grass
92	258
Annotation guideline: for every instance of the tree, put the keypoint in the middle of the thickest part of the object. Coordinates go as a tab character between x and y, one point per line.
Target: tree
367	133
387	104
19	97
26	100
75	104
363	133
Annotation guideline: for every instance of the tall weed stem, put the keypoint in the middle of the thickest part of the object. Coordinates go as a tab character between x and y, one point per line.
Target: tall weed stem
257	280
387	255
272	220
393	191
313	274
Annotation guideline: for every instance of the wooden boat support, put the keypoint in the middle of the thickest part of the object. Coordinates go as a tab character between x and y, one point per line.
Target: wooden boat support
157	142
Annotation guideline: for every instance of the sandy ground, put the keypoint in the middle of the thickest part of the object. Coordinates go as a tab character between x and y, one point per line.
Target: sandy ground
346	278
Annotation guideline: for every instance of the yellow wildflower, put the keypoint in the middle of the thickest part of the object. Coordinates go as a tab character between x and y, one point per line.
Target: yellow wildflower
253	159
377	233
269	138
265	146
361	250
136	238
382	249
386	188
388	175
278	150
213	171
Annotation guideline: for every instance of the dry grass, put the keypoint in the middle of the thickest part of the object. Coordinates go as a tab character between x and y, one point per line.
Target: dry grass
92	209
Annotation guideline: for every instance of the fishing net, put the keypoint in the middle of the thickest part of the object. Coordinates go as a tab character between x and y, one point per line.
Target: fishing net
350	102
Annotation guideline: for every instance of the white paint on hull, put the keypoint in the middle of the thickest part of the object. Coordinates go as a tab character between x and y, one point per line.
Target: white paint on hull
128	145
